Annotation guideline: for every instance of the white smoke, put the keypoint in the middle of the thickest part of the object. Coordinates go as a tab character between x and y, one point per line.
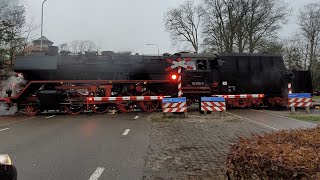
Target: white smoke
14	83
4	111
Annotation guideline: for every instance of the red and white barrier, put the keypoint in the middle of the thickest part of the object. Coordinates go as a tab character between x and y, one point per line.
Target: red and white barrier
300	102
289	88
125	98
213	106
174	107
241	96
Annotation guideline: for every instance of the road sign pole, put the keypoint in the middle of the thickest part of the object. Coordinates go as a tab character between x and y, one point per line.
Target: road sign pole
179	81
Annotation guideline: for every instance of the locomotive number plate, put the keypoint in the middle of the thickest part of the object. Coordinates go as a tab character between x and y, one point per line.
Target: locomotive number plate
197	83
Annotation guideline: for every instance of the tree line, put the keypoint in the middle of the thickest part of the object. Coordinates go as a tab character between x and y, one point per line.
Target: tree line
248	26
78	47
15	32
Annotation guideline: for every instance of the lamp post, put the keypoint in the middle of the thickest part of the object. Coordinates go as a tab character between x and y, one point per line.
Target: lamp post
155	45
42	24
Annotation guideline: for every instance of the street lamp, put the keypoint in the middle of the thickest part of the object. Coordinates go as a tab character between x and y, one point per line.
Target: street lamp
42	24
155	45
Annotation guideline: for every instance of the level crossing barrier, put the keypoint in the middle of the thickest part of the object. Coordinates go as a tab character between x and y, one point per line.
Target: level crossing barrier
174	105
213	104
300	100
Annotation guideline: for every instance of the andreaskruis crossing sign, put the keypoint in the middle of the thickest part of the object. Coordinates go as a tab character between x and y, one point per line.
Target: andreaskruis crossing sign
179	63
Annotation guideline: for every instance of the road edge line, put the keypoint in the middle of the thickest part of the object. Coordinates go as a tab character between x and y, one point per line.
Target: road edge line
14	122
253	121
284	117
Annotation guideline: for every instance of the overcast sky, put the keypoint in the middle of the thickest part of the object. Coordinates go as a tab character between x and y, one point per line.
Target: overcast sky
118	25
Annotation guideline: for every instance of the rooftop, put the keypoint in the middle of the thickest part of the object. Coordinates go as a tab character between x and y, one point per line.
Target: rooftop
44	40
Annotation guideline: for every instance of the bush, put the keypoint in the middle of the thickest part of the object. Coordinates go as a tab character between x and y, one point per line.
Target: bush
281	155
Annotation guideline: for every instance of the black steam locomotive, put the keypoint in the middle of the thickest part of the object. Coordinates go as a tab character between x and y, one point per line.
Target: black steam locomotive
113	74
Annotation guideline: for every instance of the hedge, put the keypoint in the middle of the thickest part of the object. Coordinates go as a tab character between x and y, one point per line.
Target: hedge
291	154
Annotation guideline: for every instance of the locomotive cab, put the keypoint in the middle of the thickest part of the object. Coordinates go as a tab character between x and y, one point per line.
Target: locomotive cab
200	79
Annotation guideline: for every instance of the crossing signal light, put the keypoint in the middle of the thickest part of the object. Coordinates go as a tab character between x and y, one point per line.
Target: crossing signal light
174	77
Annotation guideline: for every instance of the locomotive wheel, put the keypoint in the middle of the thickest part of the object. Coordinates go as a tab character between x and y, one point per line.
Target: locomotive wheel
125	106
31	110
76	104
149	106
100	108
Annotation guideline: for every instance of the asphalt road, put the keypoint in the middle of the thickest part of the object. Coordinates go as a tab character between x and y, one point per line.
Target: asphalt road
91	146
76	147
270	120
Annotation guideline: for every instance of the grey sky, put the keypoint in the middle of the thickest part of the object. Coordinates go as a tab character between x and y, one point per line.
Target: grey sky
118	25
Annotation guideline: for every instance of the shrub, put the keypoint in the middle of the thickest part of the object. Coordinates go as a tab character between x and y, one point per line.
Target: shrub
281	155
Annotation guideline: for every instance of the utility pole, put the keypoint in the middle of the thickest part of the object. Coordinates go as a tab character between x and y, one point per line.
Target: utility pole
42	24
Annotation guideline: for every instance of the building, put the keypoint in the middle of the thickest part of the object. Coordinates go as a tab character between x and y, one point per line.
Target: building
47	47
46	43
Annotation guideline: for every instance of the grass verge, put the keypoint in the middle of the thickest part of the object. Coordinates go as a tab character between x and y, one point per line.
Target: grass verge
306	117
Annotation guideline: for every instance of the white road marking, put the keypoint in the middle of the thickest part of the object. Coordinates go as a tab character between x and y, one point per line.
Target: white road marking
136	117
14	122
126	132
284	117
50	116
97	173
4	129
253	121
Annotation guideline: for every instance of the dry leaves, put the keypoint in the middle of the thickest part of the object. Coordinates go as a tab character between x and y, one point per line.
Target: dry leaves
280	155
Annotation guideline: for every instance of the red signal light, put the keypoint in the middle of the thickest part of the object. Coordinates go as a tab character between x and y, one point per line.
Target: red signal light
90	99
174	77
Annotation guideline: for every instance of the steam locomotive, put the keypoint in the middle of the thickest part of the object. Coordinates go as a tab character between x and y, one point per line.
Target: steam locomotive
64	82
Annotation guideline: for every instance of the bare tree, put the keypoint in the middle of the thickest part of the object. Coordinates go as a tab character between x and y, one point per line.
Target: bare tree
309	21
80	46
243	25
222	22
272	46
263	20
183	24
294	53
74	46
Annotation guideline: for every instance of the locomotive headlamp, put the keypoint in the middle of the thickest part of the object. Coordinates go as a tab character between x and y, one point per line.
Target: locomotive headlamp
5	159
174	77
